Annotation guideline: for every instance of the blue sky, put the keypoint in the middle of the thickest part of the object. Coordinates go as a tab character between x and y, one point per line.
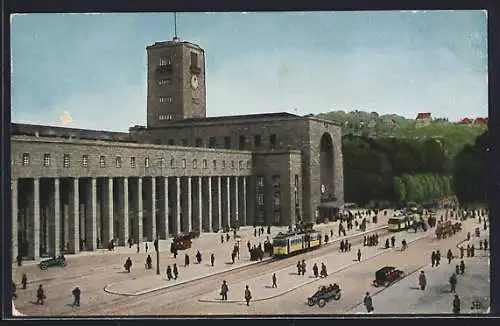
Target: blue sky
94	65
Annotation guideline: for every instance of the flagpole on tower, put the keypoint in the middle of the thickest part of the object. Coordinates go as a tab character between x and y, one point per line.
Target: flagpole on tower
175	27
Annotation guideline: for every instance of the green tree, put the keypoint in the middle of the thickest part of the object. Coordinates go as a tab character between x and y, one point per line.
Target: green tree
399	189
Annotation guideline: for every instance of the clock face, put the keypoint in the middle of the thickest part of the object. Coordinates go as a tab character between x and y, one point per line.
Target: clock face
194	81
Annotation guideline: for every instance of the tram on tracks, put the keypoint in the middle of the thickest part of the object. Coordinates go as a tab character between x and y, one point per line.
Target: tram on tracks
292	243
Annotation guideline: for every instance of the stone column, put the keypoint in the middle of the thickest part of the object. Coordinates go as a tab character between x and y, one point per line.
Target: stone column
189	211
15	219
198	205
124	234
91	216
209	204
243	219
74	217
236	201
177	205
55	225
228	200
65	216
165	205
109	219
219	203
34	248
153	208
140	232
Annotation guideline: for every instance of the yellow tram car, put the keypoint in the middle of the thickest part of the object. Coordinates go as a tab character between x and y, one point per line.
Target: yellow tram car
400	223
291	243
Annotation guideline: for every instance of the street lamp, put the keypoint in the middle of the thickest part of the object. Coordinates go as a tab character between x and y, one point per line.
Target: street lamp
157	245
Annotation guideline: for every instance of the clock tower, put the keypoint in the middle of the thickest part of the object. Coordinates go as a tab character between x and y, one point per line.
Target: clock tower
176	82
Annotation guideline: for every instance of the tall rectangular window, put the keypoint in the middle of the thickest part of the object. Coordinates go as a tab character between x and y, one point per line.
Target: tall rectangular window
242	144
46	160
256	141
85	161
66	161
260	200
161	163
185	142
26	159
272	141
102	161
276	199
212	142
146	162
194	60
214	163
132	162
296	197
227	142
199	142
118	162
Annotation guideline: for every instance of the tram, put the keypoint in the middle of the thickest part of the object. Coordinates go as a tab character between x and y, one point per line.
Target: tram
292	243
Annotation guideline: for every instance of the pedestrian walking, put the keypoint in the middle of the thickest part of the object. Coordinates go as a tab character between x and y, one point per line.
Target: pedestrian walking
393	241
303	266
468	251
128	264
433	258
224	290
472	249
19	259
457	269
221	239
76	295
299	268
176	271
359	254
315	270
212	259
274	281
438	258
323	273
138	248
462	267
149	262
24	281
456	305
364	241
248	295
449	256
480	244
168	273
198	257
422	280
453	283
146	247
227	237
40	295
186	260
485	244
367	301
461	252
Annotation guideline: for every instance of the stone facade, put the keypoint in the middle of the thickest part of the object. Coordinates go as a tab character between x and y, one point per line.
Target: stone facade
76	189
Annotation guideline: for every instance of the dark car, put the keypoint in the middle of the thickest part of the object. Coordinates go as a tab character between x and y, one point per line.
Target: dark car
53	262
387	275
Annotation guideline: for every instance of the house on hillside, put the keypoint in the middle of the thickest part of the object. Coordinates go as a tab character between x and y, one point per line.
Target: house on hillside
423	119
477	121
465	121
481	121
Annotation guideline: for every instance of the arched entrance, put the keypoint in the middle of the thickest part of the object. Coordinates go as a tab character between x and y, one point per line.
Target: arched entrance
328	206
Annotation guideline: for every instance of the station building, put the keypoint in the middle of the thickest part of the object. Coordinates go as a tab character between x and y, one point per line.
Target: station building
75	189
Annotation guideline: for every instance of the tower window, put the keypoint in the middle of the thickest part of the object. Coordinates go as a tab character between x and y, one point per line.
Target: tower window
256	141
194	60
195	164
172	163
146	162
205	164
214	164
242	142
161	163
212	142
66	161
102	161
165	81
227	142
272	141
240	163
118	162
165	61
26	159
185	142
232	165
46	159
165	99
199	142
132	162
183	163
85	161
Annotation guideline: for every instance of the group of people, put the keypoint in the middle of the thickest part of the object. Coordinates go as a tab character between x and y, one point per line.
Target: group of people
370	240
40	292
225	289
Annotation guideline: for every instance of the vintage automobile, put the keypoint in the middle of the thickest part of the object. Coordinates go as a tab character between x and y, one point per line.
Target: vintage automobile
323	295
53	262
386	276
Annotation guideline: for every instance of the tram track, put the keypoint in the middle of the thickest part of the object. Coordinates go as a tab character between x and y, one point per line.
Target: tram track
116	304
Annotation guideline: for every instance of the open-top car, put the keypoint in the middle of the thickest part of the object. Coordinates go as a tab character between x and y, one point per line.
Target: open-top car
53	262
386	276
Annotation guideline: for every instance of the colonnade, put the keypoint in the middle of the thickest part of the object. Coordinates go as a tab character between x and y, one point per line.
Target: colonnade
53	215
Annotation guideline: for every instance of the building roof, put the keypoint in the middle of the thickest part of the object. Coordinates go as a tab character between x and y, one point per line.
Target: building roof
481	121
61	132
228	118
423	115
465	121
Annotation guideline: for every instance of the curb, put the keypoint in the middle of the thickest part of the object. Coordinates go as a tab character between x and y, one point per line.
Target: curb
311	281
267	260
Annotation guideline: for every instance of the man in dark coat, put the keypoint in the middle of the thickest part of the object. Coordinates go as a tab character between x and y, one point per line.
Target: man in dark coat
40	295
367	301
76	294
186	260
456	305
